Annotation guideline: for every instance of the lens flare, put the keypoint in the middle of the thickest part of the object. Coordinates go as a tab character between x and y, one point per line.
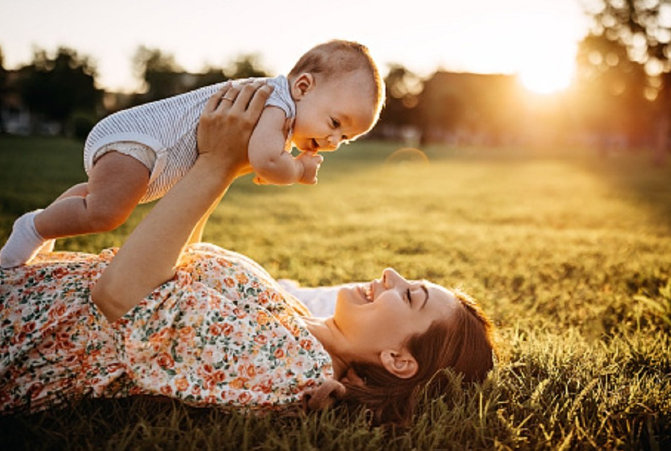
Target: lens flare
407	155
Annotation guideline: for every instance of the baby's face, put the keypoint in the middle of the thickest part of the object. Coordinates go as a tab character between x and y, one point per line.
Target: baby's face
333	111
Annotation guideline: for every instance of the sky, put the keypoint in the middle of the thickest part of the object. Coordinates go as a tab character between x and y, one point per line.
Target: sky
536	39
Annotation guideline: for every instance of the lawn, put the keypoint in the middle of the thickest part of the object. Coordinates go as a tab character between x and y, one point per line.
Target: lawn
568	251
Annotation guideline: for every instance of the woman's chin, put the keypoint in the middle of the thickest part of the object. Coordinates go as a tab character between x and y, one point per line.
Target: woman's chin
352	295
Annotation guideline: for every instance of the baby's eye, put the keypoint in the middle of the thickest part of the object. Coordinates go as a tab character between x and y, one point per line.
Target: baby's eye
335	123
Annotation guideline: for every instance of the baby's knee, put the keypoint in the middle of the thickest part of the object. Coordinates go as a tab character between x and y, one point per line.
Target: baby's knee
106	219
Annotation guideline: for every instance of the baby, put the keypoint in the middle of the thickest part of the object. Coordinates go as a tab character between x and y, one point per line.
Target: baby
333	94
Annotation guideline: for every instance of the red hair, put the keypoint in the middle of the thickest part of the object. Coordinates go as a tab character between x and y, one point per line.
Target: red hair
464	345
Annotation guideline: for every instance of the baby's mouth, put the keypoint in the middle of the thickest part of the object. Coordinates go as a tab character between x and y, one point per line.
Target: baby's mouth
315	145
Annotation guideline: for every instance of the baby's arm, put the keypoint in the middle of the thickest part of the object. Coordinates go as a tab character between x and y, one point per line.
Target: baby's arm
270	160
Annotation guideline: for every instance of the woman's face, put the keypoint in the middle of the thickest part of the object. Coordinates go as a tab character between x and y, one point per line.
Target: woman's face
386	312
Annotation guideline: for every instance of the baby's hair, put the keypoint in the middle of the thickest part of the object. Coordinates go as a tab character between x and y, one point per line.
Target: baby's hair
337	57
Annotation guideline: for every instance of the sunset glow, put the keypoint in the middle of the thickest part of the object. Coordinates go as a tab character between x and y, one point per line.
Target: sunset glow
531	38
542	79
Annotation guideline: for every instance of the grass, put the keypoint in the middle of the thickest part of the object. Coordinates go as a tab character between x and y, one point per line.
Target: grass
569	253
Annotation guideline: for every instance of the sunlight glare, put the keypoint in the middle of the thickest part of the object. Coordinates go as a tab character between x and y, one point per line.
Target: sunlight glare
545	79
550	69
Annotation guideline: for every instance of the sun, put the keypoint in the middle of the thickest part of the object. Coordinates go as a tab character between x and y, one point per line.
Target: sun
547	77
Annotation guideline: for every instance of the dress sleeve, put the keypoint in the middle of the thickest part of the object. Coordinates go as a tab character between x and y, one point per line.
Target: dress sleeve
210	344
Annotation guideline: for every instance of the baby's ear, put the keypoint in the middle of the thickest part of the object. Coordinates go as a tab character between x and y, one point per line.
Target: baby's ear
302	85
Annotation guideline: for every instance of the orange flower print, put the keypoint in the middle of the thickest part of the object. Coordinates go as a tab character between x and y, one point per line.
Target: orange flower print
35	390
251	370
238	383
262	318
239	313
263	298
181	384
187	333
28	327
59	272
244	397
215	329
219	376
165	360
306	344
175	343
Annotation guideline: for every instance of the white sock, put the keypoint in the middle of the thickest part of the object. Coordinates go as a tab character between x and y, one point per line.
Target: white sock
23	242
47	247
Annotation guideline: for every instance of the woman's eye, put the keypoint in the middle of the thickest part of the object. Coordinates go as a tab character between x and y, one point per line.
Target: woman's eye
335	123
408	296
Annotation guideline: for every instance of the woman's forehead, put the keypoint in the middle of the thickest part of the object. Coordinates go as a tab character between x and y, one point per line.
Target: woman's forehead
441	294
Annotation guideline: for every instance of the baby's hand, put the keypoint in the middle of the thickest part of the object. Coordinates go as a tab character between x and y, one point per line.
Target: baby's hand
311	162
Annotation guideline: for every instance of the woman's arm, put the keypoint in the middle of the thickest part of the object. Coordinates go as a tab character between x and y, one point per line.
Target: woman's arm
197	232
148	257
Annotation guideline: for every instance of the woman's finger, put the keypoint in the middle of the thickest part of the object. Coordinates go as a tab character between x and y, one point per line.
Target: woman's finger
229	98
246	93
258	101
213	102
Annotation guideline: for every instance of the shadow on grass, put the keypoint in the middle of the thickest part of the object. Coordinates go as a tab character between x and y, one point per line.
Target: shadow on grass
633	177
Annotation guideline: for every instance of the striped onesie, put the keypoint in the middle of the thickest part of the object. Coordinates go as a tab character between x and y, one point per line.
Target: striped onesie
162	134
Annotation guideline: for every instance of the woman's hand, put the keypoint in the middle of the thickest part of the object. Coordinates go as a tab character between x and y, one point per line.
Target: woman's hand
227	122
155	245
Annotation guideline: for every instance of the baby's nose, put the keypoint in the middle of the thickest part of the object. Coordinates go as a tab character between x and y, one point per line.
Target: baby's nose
333	142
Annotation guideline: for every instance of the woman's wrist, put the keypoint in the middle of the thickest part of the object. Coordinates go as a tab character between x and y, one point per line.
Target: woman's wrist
211	168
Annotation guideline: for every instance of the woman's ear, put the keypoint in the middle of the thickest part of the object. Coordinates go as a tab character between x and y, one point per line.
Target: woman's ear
302	85
399	363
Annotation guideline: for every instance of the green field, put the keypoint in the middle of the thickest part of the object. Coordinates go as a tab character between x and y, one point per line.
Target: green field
569	253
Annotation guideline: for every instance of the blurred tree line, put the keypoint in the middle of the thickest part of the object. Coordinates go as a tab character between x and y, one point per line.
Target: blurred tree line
626	68
621	95
61	88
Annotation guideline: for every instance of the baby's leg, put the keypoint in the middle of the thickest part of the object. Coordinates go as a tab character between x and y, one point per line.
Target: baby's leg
116	184
80	190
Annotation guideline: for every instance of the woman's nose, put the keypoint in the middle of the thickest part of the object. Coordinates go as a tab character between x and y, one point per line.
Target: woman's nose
391	278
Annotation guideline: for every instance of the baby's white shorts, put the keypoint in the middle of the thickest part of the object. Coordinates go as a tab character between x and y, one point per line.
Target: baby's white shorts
142	153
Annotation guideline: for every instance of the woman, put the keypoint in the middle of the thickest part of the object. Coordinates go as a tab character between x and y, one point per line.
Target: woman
211	327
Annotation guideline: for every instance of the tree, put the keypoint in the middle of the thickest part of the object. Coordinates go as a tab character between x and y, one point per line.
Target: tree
160	73
3	89
402	89
610	94
246	66
58	87
643	28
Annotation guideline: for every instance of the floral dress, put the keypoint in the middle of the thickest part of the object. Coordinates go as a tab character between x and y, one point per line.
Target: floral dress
221	332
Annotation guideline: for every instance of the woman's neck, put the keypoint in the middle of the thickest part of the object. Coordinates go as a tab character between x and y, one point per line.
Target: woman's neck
326	331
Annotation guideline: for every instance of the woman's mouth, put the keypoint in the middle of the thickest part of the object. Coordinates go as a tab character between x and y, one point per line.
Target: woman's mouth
367	291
